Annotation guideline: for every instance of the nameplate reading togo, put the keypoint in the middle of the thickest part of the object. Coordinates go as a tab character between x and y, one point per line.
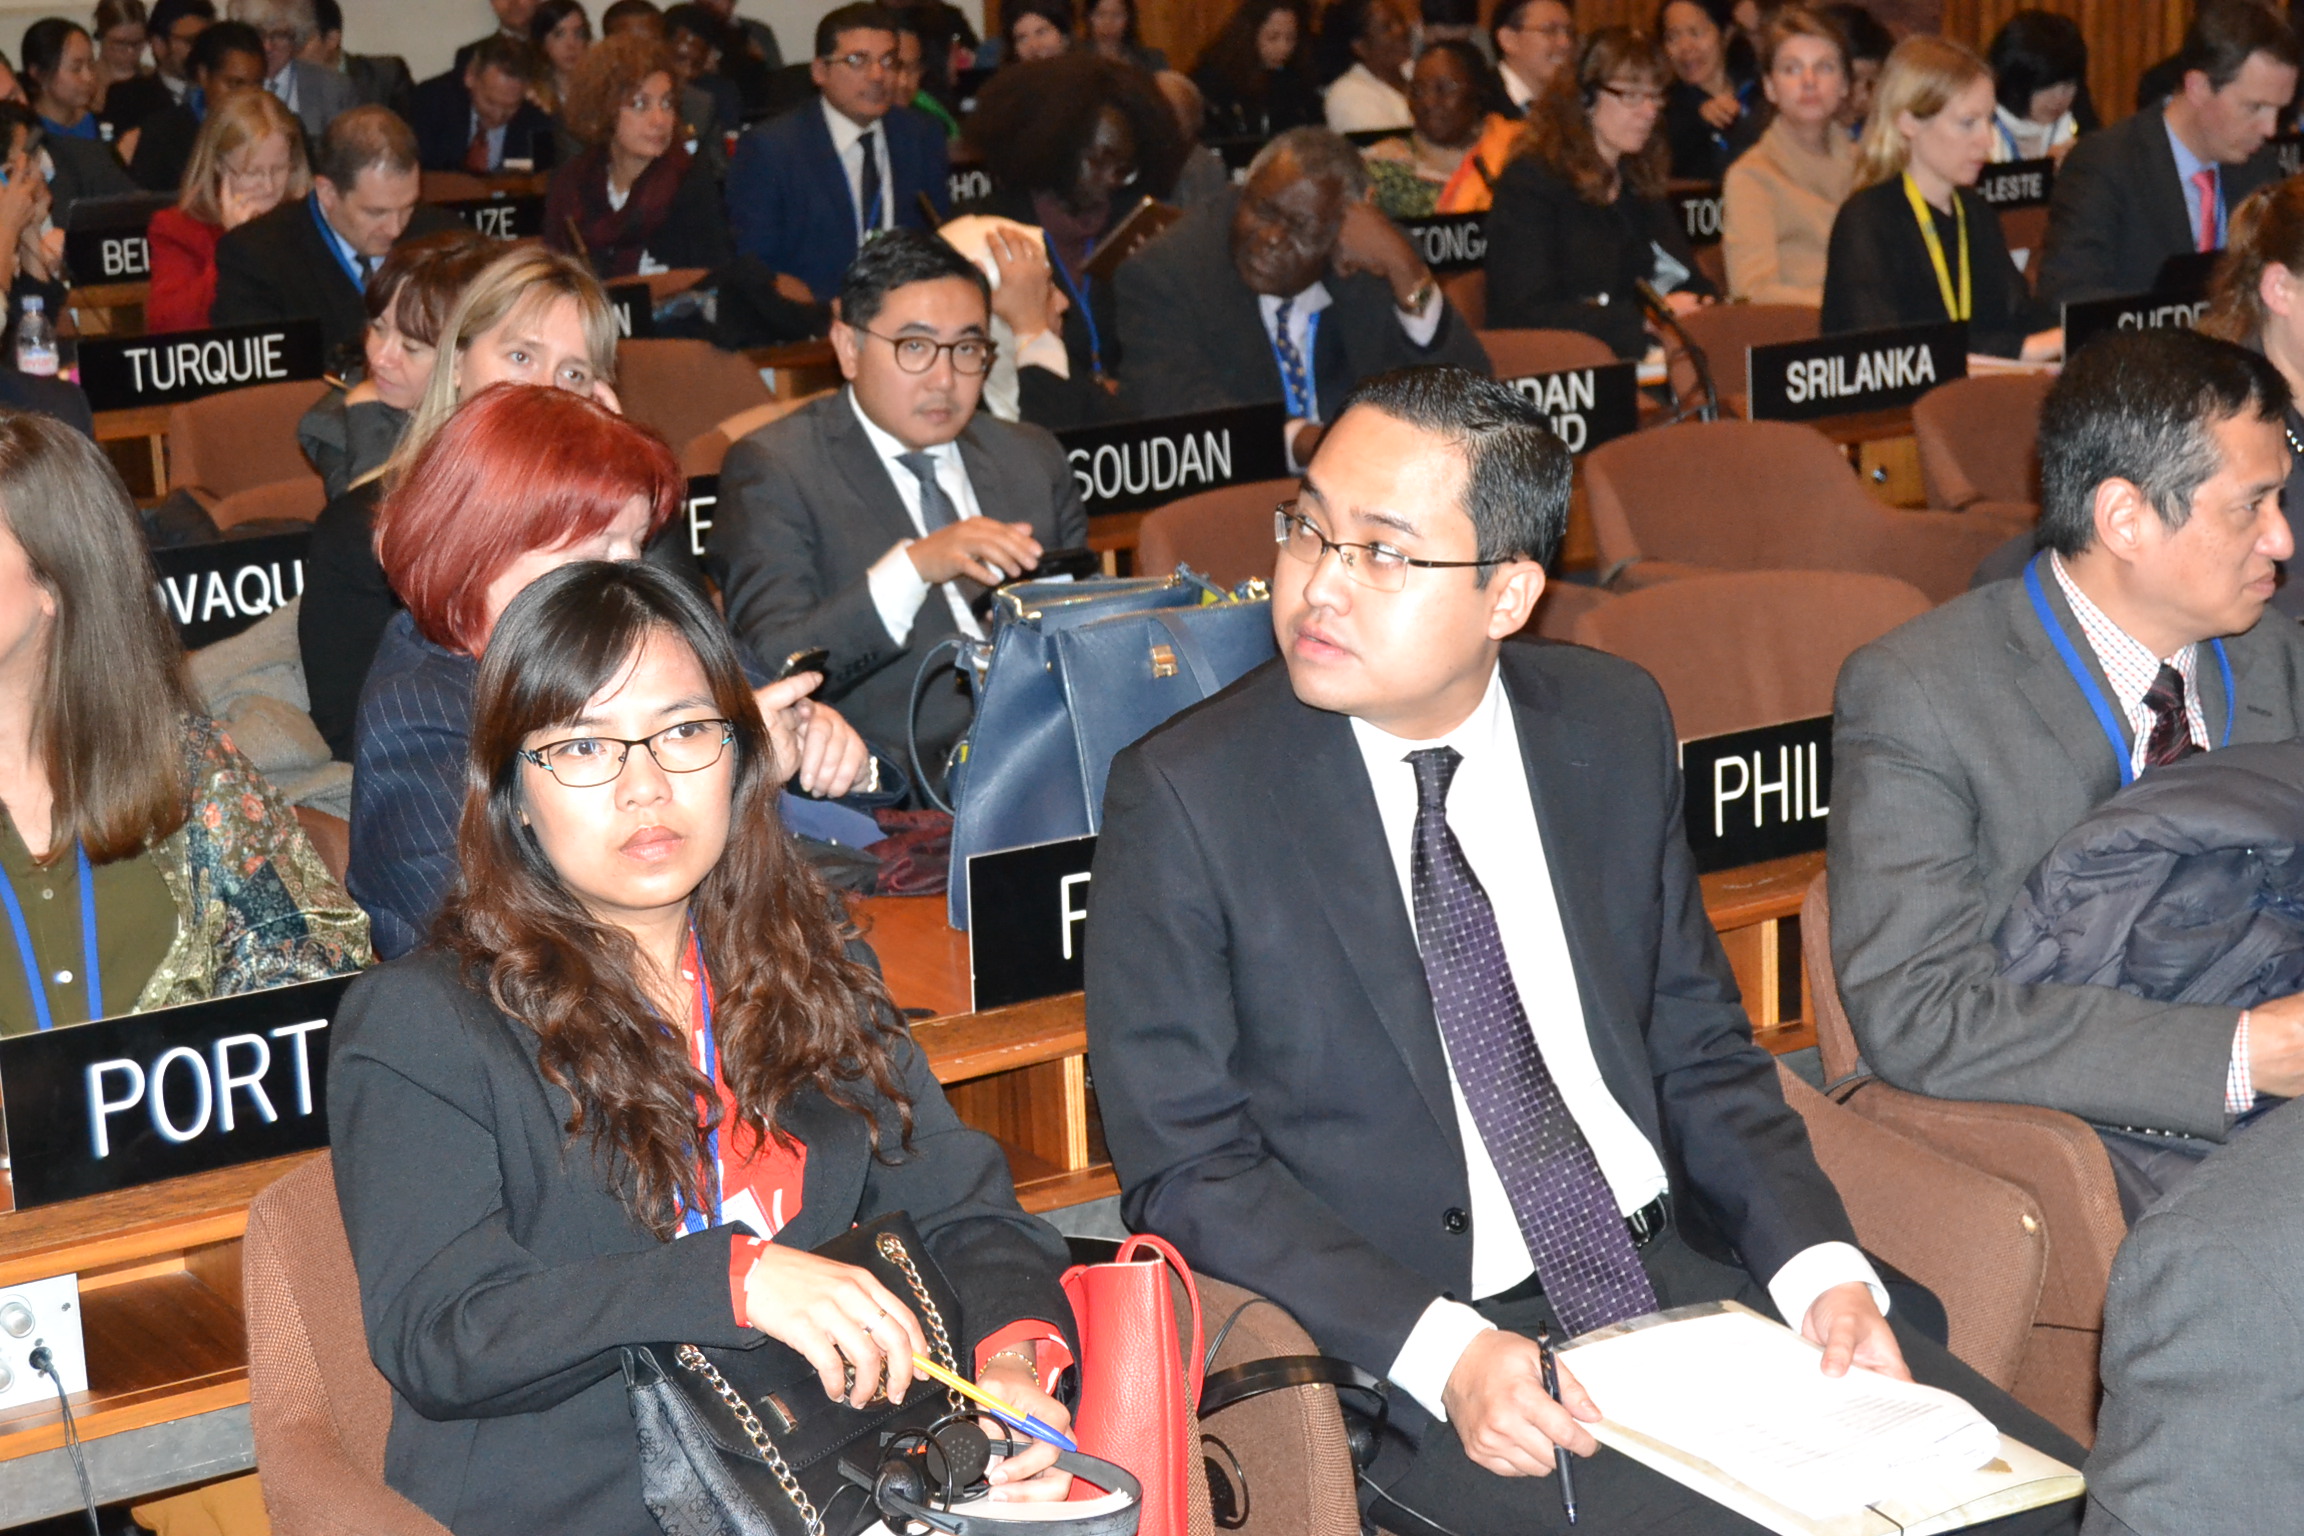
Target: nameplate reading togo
125	1101
635	310
1854	371
1142	464
215	590
1751	796
1453	242
2085	322
502	218
2018	184
1586	406
697	506
1699	214
122	374
111	253
1027	921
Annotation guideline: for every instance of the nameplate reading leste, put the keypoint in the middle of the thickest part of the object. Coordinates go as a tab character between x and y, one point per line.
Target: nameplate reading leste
702	500
125	373
1027	922
2016	184
1141	464
1750	796
1855	371
1586	406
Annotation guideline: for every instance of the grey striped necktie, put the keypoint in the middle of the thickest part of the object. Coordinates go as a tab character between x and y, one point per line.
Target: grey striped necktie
937	511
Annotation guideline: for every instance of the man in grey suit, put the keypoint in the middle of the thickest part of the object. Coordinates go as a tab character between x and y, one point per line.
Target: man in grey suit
873	521
315	93
1967	741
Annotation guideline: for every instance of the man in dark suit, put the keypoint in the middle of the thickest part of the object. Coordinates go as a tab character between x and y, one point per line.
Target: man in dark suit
871	521
512	18
311	258
807	188
171	30
2164	183
477	117
1294	290
227	57
1533	39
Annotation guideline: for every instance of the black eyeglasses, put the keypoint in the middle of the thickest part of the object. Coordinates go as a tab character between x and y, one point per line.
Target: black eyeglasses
587	762
1378	567
971	355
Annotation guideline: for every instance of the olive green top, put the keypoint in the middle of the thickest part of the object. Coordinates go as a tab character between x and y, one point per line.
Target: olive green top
135	924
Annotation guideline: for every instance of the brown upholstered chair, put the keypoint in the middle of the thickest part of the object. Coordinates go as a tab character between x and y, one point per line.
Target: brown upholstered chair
1979	439
1516	354
1749	648
1290	1444
1468	291
2026	232
1725	331
683	387
1225	535
238	439
331	838
320	1407
1563	606
1765	495
299	500
2054	1157
706	450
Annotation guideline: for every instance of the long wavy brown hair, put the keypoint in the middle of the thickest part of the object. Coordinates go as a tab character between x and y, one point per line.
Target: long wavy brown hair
792	1012
2267	230
1560	121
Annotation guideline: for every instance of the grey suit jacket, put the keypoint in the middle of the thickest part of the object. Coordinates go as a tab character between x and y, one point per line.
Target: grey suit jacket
2202	1429
321	94
806	507
1961	750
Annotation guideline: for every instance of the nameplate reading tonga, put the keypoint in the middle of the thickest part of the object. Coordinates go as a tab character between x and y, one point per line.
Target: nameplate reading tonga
502	218
131	371
702	500
1449	242
215	590
1854	372
1699	213
1027	922
2085	322
2017	184
125	1101
1750	796
1586	406
1141	464
634	306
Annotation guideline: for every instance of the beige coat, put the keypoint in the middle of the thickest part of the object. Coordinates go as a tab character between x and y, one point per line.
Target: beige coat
1777	207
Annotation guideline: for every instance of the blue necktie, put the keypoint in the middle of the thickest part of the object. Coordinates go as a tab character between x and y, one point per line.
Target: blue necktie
1293	377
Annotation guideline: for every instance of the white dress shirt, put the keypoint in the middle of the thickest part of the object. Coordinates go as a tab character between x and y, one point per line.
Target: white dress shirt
894	581
1516	90
1492	810
283	85
848	144
1420	327
1359	102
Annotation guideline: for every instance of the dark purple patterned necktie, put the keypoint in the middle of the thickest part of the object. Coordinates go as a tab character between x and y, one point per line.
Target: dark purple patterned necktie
1584	1254
2171	738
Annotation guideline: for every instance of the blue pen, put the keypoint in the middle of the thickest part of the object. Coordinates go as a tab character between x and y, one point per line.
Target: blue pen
998	1409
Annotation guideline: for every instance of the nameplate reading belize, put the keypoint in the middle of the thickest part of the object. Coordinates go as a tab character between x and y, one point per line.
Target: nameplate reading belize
702	500
1027	922
122	374
215	590
2017	184
111	251
1586	406
119	1102
1699	214
1141	464
1750	796
1451	242
2085	322
634	306
1855	371
502	218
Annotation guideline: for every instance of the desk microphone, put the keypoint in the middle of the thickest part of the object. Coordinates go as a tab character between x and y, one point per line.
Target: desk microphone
1660	310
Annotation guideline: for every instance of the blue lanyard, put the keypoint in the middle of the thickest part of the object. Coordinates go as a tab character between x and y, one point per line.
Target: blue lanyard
89	960
1083	309
2121	752
335	246
692	1222
1301	400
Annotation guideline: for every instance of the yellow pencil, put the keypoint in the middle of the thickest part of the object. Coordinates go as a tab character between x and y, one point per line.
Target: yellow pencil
1015	1417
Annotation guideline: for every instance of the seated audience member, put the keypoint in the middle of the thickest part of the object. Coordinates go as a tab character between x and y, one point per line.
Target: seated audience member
2257	300
1533	40
1293	289
1708	117
1869	44
699	44
378	80
1202	177
635	201
1289	993
512	18
1257	75
1450	162
478	118
248	159
1968	741
2039	65
699	117
806	188
870	521
1442	21
170	30
122	30
1580	218
1032	30
134	830
311	259
60	76
740	60
913	67
748	36
2161	183
561	955
314	93
30	249
561	34
1781	195
1109	29
226	59
1365	50
1914	242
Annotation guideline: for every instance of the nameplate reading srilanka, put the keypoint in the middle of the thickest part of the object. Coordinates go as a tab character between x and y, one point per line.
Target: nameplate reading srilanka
502	218
2017	184
1699	214
124	373
2085	322
697	506
1451	242
1586	406
635	309
125	1101
215	590
1756	795
1141	464
1854	371
111	252
1027	922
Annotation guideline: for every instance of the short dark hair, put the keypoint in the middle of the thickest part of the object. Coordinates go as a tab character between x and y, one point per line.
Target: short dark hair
2224	33
510	55
860	16
614	16
1867	38
327	17
1057	13
360	139
704	23
226	37
2137	406
166	13
16	117
1516	471
1507	19
2032	51
898	259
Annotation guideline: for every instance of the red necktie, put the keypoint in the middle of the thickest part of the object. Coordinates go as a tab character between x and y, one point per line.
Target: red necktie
2206	182
476	157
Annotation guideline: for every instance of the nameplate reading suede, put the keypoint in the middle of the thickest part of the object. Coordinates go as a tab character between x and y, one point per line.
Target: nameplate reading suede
1455	242
215	590
1027	922
1755	795
1699	214
2083	323
125	1101
1586	406
635	310
122	374
2018	184
1142	464
1855	371
697	506
502	218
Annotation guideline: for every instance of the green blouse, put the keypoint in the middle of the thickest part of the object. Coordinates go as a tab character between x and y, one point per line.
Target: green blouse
135	924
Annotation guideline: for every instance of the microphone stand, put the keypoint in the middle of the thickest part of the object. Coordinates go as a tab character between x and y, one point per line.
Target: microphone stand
1708	409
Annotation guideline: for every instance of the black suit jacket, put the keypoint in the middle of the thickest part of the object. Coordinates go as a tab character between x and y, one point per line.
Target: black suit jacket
1557	262
1274	1090
164	148
441	114
1194	338
1877	271
279	267
806	507
2118	211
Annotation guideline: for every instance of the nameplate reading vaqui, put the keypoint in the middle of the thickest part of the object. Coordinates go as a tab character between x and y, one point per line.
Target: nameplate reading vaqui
502	218
702	500
2017	184
1699	213
2085	322
1449	242
1586	406
1141	464
122	374
635	309
125	1101
1757	795
1027	916
1854	371
215	590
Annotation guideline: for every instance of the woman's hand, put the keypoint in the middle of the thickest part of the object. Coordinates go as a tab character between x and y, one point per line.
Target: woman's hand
838	1317
1027	298
1721	111
1029	1476
2043	346
794	289
239	207
1682	302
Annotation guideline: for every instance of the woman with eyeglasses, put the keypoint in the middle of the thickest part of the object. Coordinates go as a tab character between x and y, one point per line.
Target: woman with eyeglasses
635	201
248	160
1450	161
1580	218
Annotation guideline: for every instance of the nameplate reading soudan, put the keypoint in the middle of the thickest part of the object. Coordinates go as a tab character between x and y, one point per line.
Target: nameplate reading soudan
1586	406
1449	242
1699	214
502	218
1855	371
1142	464
1750	796
2085	322
215	590
122	374
2018	184
634	306
1027	922
125	1101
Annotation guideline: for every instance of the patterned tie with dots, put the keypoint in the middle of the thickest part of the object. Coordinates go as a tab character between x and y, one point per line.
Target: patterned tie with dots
2170	740
1584	1254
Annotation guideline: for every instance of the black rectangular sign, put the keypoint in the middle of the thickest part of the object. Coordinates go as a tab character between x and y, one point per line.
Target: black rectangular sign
1759	794
117	255
502	218
1027	917
2085	322
2017	184
967	183
125	1101
1141	464
635	309
1699	214
1854	371
1588	406
121	374
702	499
1453	242
215	590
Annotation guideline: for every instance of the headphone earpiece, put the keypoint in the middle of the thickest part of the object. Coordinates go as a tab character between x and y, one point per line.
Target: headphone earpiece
898	1482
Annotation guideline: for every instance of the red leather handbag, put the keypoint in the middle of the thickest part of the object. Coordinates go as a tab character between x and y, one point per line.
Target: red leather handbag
1139	1394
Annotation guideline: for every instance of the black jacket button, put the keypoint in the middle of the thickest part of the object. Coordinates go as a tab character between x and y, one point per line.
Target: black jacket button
1456	1221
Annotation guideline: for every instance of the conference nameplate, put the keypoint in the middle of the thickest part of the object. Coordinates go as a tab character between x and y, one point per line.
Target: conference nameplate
1141	464
502	218
119	1102
1750	796
2016	184
1855	371
213	591
697	506
635	310
1027	922
1450	243
1699	214
1586	406
125	373
115	254
2085	322
967	183
2288	150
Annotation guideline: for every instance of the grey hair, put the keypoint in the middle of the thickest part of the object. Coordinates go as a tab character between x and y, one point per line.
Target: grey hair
1320	152
296	15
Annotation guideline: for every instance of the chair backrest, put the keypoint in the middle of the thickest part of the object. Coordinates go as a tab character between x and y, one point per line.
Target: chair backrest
1518	353
1562	606
683	387
331	838
1835	1036
240	438
1290	1444
299	500
1980	439
1225	535
1739	495
2026	231
1468	291
706	450
1724	331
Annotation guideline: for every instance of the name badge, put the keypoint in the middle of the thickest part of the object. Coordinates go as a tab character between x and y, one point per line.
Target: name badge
1586	406
1749	796
2018	184
635	310
1142	464
1027	918
502	218
125	1101
122	374
2085	322
215	590
697	506
1456	242
1855	371
1700	214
